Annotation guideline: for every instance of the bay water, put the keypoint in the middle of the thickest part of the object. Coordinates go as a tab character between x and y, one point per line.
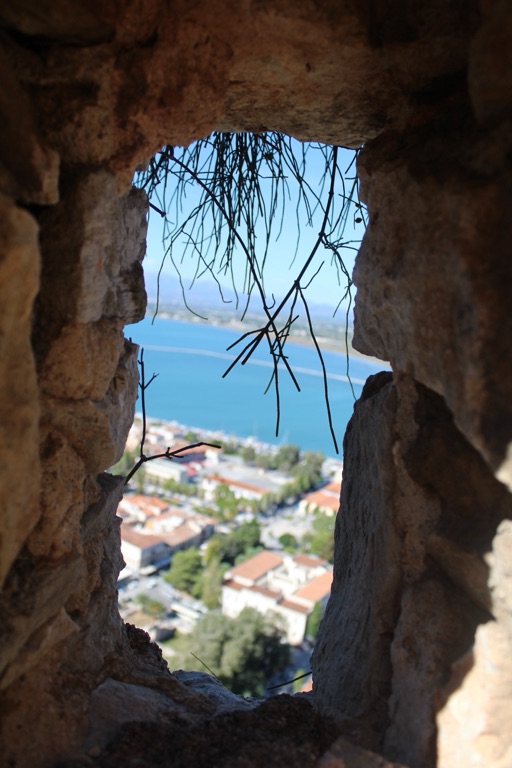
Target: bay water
191	357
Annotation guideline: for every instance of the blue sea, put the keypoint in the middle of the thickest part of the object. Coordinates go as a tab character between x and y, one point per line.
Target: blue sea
190	358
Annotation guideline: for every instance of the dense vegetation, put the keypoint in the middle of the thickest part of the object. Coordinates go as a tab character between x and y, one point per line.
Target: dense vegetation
202	578
243	652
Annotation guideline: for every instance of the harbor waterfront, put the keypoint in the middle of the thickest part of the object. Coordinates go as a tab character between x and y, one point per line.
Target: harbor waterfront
190	359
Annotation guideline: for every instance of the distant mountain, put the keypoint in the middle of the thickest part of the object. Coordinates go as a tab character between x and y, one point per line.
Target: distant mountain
205	295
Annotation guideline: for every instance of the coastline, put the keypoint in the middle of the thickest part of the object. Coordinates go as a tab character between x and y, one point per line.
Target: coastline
192	390
327	343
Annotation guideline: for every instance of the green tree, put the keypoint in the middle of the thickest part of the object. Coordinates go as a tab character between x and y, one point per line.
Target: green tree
248	534
125	463
226	501
243	652
228	446
211	583
300	676
314	619
185	489
247	553
150	605
265	461
186	572
139	480
248	454
213	550
287	457
289	492
320	540
239	542
288	542
308	472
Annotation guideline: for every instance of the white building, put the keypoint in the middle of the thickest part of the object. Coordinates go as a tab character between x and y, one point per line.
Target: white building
245	482
166	469
326	500
159	530
142	549
283	585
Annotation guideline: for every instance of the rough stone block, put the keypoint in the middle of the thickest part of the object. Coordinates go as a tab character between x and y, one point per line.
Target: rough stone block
351	664
419	509
19	402
434	270
93	243
57	532
97	430
71	21
29	171
474	724
82	361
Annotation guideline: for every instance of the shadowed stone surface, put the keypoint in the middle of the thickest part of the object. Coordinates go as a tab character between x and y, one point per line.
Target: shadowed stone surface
419	510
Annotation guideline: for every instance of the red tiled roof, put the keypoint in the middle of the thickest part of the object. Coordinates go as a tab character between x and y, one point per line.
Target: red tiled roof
256	566
316	589
265	591
233	585
147	501
309	561
188	454
139	539
322	499
238	484
293	606
333	487
179	535
181	516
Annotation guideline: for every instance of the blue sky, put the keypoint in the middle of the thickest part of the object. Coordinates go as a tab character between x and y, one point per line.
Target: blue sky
279	269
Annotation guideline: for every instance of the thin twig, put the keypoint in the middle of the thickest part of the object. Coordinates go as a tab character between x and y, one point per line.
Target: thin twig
288	682
252	266
324	372
167	454
228	169
206	667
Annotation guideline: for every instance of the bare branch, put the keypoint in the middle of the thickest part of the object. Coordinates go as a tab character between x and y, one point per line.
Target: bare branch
230	170
167	454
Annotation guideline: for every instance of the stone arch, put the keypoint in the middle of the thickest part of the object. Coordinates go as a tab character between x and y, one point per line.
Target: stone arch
91	90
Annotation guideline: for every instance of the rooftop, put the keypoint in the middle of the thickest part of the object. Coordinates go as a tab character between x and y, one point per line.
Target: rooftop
317	588
265	591
310	561
137	538
179	535
238	484
233	585
291	605
257	566
325	497
146	505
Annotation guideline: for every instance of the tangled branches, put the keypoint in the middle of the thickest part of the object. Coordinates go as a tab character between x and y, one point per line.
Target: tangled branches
243	184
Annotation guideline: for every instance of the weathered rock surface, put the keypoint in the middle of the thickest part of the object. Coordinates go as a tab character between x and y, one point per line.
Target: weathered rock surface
19	406
367	575
344	754
434	285
284	730
473	723
411	571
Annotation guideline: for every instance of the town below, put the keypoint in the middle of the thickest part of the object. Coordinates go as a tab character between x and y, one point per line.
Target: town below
228	553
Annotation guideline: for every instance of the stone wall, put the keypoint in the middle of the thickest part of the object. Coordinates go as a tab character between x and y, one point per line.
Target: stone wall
413	659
